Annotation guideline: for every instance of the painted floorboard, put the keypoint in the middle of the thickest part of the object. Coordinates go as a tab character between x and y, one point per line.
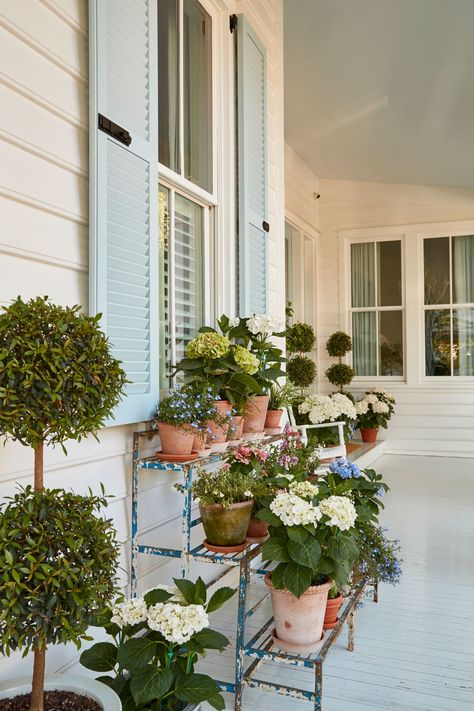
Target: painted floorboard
415	649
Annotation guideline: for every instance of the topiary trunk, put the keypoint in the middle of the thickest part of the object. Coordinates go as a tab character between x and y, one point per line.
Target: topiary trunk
37	689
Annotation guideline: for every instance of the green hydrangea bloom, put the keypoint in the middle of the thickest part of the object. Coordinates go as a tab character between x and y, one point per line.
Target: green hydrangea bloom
246	360
208	345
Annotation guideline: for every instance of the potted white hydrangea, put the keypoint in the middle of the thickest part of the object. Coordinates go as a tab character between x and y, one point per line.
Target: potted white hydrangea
374	410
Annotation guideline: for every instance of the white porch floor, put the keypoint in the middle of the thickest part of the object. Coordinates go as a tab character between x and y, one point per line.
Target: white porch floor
415	649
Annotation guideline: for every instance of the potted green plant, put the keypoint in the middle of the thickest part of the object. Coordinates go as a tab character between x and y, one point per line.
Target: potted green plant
155	642
320	409
225	503
313	545
337	346
58	381
281	396
374	410
301	369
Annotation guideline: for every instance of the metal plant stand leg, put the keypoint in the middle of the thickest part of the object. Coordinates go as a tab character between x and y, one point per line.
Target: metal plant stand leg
350	628
318	687
133	567
186	521
376	591
240	639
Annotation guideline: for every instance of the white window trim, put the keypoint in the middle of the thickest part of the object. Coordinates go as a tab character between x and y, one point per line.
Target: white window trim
412	268
305	228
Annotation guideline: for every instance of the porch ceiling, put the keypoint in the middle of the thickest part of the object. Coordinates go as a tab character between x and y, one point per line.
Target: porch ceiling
382	90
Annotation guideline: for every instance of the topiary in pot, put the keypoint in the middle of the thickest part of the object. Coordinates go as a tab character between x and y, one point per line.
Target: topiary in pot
337	346
301	371
58	381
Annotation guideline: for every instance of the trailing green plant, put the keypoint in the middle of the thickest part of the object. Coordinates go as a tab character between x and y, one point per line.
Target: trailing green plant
301	371
156	641
282	396
222	486
379	556
339	344
190	406
340	374
58	558
58	381
300	338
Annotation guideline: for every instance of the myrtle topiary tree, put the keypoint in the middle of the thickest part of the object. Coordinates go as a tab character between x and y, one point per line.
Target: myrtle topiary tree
337	346
58	381
301	369
300	338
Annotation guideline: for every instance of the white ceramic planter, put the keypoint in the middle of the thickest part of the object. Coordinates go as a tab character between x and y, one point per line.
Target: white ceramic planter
101	693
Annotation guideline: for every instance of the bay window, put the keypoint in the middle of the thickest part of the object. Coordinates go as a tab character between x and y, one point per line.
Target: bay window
377	310
449	305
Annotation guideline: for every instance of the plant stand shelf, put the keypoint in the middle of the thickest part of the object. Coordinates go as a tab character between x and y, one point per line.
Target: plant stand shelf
260	647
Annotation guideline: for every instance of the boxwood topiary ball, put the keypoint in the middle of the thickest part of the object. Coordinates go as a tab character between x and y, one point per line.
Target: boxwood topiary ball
300	338
339	344
340	374
301	371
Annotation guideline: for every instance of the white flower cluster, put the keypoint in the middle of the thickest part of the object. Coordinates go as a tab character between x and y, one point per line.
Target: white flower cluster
327	408
340	511
233	322
294	511
387	396
177	623
263	325
371	402
304	489
129	612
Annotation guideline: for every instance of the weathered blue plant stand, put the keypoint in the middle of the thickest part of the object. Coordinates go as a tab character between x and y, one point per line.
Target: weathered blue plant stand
259	648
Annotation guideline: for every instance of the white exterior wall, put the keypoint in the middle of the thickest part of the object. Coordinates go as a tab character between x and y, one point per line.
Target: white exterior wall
431	416
43	246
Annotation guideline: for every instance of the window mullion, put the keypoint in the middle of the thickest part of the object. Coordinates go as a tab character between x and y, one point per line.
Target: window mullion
172	279
181	87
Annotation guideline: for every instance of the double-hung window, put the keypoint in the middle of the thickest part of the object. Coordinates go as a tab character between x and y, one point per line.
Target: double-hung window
186	198
377	308
449	305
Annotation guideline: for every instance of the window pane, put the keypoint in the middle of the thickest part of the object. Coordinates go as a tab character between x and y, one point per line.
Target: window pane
188	277
165	333
168	84
309	270
463	342
197	94
389	273
436	265
363	274
438	342
288	264
463	269
391	342
364	342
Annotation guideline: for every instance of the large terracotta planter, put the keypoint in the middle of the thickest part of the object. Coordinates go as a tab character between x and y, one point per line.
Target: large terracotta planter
332	610
273	418
369	434
226	525
257	530
255	413
176	440
299	621
218	433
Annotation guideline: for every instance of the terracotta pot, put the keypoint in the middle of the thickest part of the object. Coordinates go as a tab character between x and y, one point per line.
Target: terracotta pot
299	621
175	440
332	609
218	433
226	525
200	441
272	420
369	434
238	427
257	528
255	413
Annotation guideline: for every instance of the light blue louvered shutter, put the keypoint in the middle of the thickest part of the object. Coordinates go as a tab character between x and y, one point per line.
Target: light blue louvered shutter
252	169
124	192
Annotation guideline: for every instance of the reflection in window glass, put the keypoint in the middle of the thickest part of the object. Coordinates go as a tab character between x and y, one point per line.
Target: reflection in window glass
363	274
164	296
391	342
438	342
463	269
436	266
197	38
463	342
168	84
389	273
364	342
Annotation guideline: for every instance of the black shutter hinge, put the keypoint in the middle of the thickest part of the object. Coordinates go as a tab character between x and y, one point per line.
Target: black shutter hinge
266	226
114	130
232	22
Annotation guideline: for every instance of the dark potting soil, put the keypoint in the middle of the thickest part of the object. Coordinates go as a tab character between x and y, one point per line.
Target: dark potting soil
53	701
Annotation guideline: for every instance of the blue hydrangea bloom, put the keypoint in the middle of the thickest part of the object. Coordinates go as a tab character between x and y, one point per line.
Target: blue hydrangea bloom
344	468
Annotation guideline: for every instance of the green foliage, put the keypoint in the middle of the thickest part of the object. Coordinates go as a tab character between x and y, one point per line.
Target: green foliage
148	668
340	374
339	344
190	405
379	556
282	396
223	486
58	379
301	371
300	338
58	559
